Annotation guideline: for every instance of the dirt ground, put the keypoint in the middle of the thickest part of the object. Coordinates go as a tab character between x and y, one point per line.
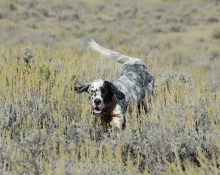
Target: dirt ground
187	32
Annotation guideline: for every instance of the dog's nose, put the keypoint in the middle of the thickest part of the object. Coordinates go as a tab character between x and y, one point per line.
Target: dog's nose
97	101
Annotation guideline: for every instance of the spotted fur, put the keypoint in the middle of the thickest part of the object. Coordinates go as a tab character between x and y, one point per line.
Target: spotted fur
132	84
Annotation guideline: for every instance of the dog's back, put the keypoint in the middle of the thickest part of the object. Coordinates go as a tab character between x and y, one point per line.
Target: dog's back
135	77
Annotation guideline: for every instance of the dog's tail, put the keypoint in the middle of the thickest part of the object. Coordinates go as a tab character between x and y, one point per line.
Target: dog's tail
113	55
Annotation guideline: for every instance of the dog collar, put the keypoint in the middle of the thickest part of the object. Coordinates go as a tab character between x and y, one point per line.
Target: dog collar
110	107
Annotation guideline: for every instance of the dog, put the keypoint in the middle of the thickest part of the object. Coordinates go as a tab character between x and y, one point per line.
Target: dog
109	100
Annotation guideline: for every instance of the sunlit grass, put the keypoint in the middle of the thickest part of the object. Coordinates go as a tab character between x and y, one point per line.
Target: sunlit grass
46	128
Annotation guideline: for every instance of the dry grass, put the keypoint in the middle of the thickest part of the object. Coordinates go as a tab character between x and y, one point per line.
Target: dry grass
187	30
48	129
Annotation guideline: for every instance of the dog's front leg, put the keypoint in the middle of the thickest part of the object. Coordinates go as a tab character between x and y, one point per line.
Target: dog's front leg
118	122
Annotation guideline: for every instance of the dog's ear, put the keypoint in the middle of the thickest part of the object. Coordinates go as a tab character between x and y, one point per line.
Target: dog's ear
117	92
81	89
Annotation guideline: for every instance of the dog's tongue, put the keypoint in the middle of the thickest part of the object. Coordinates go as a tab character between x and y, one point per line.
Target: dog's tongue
97	111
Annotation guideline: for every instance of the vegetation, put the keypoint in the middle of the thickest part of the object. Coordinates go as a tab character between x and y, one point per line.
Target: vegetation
48	129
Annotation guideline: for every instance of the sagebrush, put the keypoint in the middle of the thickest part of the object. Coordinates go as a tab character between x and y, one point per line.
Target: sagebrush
48	129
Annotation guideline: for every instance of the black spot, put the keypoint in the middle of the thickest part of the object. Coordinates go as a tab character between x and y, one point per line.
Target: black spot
118	93
107	92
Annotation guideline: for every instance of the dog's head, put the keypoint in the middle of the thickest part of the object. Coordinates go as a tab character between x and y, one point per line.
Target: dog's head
101	93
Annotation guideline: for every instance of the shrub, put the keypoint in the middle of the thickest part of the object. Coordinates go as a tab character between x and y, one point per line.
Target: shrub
48	129
216	33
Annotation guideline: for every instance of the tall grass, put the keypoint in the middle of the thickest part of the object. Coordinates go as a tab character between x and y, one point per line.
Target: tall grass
48	129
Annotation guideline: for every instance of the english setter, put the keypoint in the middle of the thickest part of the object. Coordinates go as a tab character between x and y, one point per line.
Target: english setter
109	99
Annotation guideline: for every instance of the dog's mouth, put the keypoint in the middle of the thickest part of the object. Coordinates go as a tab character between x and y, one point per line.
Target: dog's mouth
97	111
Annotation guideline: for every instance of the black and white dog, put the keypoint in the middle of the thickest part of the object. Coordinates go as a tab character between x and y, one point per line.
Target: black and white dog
109	99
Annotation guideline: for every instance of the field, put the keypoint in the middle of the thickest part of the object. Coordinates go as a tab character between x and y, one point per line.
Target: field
46	128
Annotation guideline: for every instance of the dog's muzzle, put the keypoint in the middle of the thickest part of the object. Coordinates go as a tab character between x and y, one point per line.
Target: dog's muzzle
97	111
